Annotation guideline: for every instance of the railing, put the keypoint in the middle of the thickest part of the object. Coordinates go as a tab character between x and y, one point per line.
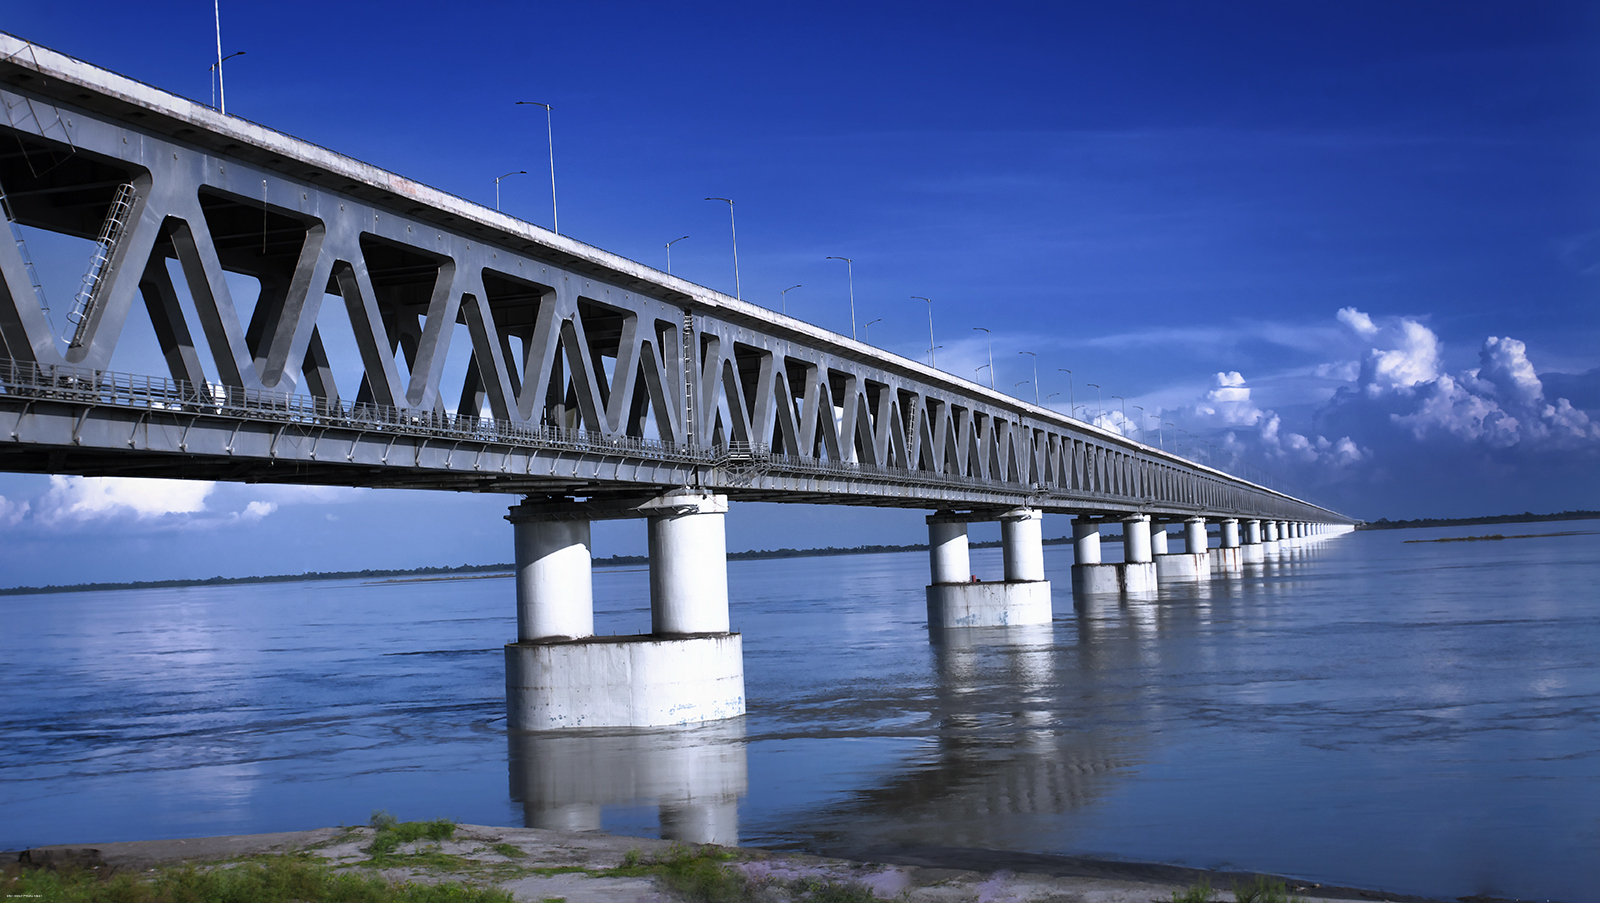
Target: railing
25	380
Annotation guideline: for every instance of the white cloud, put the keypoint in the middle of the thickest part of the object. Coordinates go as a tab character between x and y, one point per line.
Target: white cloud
12	512
82	499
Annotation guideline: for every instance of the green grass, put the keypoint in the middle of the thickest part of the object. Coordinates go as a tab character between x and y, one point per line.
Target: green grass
282	879
509	851
389	833
703	875
1263	890
1199	892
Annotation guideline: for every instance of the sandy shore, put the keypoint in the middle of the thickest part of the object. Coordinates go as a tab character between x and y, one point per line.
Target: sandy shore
571	866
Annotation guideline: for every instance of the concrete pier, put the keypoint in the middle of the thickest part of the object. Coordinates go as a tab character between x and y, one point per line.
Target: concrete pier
1227	558
1138	565
1251	551
1091	575
690	669
956	598
1193	563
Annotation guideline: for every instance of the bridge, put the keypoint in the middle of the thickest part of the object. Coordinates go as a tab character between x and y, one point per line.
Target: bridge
595	387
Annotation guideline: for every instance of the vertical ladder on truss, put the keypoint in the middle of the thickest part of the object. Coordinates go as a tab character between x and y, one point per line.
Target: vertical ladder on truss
22	248
111	232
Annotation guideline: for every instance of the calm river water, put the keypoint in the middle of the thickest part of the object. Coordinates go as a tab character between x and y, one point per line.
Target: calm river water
1420	717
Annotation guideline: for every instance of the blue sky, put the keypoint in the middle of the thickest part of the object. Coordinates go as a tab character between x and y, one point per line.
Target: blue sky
1291	228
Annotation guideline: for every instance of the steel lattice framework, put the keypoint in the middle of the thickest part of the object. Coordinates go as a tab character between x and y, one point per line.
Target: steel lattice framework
599	375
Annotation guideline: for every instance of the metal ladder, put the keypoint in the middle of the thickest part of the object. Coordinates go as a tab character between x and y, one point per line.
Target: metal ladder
22	248
111	232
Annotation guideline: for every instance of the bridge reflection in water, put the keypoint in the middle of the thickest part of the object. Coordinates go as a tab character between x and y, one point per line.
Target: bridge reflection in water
694	775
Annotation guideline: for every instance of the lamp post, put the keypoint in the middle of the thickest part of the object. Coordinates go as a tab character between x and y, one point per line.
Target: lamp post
1098	406
216	75
1035	374
1123	426
1161	432
1141	421
669	253
784	297
850	272
990	337
866	330
1071	406
982	367
930	327
733	227
520	172
550	138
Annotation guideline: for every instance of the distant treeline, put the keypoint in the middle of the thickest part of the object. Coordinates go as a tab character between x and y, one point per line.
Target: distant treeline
504	567
1527	517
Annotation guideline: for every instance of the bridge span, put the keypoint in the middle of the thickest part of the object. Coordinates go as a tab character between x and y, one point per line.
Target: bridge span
593	386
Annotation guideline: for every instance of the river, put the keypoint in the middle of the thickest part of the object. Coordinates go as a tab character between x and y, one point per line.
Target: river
1418	717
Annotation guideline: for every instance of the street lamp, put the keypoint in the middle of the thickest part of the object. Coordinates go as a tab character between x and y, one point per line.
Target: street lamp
216	78
990	337
1123	426
669	253
1141	421
1162	433
930	327
1071	406
866	330
1035	374
733	227
982	367
550	137
1098	406
784	298
850	271
520	172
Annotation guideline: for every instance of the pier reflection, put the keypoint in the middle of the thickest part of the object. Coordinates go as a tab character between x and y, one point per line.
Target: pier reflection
695	776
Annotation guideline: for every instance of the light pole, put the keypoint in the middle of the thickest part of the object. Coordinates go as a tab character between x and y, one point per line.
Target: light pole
669	253
216	75
1123	426
520	172
1141	421
783	298
1071	406
1161	432
1098	406
1035	374
733	227
866	330
990	337
982	367
850	272
550	138
930	327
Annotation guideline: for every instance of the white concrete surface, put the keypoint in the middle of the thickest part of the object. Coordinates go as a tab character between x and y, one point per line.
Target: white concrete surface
949	558
624	682
1195	540
1136	539
1022	542
1085	542
689	565
1183	566
1096	579
1007	604
554	594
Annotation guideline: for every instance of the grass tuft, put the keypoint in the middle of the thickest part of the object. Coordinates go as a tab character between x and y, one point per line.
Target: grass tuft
1199	892
390	833
1263	890
279	879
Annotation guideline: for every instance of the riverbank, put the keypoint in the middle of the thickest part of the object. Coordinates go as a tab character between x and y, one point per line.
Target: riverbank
540	866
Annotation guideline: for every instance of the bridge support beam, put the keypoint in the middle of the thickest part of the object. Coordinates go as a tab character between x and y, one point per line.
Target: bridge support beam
1251	551
1138	565
690	669
1227	557
957	599
1191	565
1090	575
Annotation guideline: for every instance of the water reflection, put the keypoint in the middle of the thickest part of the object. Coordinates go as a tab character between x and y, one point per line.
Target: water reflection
695	776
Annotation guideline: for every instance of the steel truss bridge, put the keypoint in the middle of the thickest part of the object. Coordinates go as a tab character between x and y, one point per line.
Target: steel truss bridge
600	376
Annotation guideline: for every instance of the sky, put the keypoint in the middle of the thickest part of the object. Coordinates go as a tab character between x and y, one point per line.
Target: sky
1355	243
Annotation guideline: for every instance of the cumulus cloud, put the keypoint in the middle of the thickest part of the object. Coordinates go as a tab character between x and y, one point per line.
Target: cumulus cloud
11	513
80	499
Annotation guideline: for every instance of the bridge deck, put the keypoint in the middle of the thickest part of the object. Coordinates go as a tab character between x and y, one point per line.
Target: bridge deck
588	374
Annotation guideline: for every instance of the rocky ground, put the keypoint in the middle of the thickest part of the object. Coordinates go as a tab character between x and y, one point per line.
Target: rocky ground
548	866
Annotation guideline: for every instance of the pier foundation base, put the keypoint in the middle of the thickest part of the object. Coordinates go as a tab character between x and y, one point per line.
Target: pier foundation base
624	681
1003	604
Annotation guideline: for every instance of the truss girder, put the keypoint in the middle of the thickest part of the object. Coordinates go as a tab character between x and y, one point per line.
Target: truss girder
593	373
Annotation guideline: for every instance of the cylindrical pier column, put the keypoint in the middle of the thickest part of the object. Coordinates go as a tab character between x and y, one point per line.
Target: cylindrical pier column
554	594
1228	537
1194	535
1158	539
1022	542
689	565
1136	539
1252	532
948	556
1085	541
